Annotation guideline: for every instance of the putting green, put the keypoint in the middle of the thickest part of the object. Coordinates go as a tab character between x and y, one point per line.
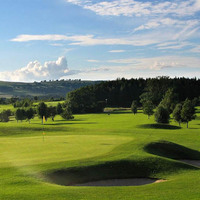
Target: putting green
23	151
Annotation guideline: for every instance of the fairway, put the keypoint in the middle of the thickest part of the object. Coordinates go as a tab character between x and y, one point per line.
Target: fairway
97	147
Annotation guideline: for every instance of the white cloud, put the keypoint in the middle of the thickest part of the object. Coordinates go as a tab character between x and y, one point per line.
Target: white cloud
159	63
88	40
117	51
53	37
56	44
132	67
174	45
196	49
93	61
138	8
35	71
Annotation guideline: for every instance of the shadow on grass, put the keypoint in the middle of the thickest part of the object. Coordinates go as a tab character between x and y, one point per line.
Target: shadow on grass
63	120
123	169
172	150
68	123
158	126
117	112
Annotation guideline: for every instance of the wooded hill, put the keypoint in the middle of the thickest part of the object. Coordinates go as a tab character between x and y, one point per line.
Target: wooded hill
41	89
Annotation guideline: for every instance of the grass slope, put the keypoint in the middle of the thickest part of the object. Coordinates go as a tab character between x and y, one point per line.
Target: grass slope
94	147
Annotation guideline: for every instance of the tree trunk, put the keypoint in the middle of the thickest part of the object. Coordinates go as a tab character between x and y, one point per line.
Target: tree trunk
187	124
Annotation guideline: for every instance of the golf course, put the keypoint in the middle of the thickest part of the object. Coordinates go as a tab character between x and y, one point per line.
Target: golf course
85	158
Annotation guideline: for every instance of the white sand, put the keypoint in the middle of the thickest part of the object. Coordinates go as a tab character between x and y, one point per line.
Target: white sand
121	182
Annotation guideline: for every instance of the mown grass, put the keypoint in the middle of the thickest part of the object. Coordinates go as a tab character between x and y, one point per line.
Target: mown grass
98	146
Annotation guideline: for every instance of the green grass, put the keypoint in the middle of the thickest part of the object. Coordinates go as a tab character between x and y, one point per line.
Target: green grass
95	147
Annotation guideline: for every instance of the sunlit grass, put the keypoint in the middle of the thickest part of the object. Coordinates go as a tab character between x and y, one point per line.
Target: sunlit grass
93	140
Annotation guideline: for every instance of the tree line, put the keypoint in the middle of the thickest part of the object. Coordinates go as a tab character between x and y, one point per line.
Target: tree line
42	111
121	93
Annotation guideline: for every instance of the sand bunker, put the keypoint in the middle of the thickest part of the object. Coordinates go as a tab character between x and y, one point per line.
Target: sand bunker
121	182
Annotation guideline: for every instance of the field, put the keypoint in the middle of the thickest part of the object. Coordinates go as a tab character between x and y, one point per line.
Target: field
97	147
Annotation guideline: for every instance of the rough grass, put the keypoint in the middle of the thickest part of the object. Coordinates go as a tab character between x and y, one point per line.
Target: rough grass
95	147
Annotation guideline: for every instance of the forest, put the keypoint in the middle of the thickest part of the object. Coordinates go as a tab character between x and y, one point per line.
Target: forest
122	92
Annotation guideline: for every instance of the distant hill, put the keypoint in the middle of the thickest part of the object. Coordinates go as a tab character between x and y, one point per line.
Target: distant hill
41	89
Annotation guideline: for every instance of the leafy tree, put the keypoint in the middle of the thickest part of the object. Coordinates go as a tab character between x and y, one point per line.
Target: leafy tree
20	114
9	112
67	114
30	114
59	108
177	113
35	98
146	96
52	112
169	101
162	115
134	107
188	111
4	117
195	101
148	108
42	111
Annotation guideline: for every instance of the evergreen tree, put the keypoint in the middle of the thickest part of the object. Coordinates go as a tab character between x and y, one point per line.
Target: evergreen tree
162	115
148	108
188	111
134	107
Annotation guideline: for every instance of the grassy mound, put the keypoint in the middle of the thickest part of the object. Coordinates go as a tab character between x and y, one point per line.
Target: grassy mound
124	169
172	150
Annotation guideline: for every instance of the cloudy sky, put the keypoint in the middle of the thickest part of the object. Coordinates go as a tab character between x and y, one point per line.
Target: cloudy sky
99	39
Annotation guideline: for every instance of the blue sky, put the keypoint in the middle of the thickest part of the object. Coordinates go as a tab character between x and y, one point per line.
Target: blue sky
104	39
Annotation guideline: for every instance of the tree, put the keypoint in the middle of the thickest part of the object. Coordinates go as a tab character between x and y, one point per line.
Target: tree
4	117
30	114
169	101
20	114
52	112
195	101
42	111
67	114
162	115
148	108
188	111
177	113
59	109
134	107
